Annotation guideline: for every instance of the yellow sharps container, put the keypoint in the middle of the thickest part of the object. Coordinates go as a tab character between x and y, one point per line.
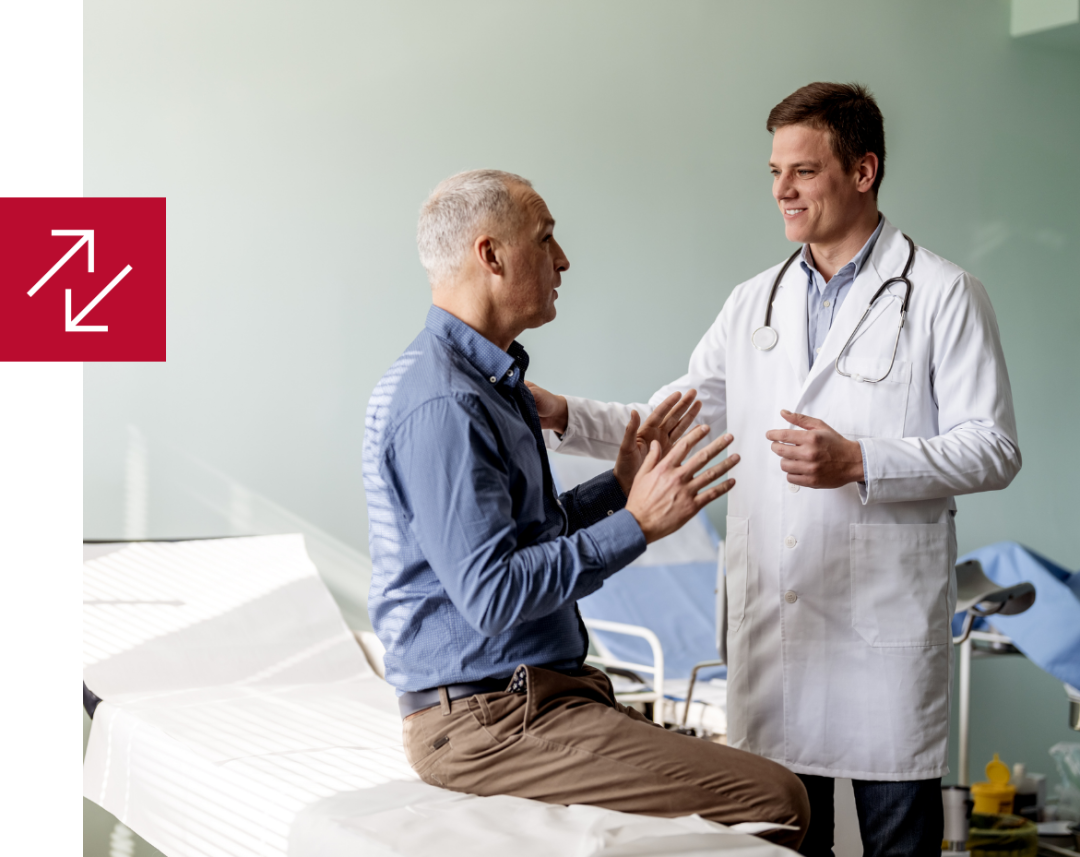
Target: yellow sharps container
994	797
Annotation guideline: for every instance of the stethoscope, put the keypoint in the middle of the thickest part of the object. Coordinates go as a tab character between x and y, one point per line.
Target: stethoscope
766	337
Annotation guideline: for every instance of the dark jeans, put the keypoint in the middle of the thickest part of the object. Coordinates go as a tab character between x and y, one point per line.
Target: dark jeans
895	819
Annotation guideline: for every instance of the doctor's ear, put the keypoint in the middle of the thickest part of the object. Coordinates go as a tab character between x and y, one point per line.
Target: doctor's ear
866	170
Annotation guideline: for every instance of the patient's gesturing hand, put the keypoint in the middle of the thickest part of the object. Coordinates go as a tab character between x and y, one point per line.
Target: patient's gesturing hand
666	424
667	492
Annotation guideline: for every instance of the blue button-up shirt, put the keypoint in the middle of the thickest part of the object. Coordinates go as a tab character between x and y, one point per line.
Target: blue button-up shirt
823	299
477	564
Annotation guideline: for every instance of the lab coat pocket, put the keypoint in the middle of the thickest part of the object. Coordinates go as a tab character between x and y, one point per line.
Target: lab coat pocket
867	409
736	551
899	584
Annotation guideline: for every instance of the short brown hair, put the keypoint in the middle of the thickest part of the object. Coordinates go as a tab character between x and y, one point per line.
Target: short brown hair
847	111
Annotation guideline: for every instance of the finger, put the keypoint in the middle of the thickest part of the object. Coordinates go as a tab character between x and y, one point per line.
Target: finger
685	402
652	458
661	411
629	440
713	473
685	423
704	498
799	468
792	436
791	453
802	420
678	451
704	456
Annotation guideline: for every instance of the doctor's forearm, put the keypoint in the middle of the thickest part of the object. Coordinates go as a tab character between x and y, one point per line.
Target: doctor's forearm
961	462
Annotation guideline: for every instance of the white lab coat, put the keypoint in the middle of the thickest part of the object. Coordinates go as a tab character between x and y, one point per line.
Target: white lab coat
839	601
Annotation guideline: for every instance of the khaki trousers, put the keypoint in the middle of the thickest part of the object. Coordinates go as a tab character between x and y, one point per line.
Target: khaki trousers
566	740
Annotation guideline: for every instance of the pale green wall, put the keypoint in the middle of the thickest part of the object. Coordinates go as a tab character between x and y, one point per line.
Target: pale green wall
295	143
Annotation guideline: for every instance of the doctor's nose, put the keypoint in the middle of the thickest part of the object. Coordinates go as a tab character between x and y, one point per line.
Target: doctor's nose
781	188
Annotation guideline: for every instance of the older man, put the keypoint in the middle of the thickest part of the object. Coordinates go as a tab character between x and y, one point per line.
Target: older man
478	563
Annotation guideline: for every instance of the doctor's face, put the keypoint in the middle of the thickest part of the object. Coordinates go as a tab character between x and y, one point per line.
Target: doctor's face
819	202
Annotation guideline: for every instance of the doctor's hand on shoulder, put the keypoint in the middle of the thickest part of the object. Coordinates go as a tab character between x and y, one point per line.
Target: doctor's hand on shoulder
815	455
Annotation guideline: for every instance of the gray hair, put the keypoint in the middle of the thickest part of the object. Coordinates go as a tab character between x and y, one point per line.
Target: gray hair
456	212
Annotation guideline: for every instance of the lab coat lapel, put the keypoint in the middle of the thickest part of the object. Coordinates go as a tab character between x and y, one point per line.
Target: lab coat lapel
789	314
889	254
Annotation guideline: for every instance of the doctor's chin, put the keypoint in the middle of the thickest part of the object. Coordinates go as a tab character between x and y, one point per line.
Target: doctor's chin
761	543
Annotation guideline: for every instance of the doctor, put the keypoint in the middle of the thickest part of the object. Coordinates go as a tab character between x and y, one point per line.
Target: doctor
856	433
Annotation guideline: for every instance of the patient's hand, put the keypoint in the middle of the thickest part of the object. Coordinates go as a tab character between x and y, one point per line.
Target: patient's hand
550	408
665	425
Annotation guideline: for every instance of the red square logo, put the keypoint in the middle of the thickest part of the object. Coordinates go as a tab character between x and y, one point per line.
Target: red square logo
82	279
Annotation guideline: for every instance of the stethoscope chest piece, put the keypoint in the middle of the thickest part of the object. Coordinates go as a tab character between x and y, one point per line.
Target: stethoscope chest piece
764	338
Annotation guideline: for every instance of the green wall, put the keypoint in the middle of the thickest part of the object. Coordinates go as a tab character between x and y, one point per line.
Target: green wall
295	143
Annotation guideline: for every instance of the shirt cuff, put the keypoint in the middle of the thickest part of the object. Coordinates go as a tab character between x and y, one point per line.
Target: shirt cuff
619	540
864	491
601	495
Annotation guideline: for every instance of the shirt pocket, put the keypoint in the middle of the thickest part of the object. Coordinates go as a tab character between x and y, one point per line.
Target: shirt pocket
866	409
736	561
899	584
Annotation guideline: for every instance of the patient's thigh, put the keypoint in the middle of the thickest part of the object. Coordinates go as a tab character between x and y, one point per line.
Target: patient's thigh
567	741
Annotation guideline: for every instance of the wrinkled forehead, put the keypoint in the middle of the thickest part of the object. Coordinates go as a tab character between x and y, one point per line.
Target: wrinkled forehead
533	207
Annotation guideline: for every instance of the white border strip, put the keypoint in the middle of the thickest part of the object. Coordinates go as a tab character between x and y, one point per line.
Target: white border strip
40	458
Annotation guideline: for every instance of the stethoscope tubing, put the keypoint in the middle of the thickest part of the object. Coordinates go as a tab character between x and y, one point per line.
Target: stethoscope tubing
765	337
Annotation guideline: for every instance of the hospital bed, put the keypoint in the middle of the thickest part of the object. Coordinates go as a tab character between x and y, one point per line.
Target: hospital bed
234	714
1045	628
657	620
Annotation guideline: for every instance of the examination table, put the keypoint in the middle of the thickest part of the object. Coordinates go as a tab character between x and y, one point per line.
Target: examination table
238	716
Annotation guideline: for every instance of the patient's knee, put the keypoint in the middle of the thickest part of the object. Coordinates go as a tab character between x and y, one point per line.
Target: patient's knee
792	807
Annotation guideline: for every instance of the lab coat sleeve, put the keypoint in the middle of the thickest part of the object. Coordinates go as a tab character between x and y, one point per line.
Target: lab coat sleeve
595	429
976	447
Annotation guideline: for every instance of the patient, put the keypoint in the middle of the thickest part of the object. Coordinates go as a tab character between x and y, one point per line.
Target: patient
478	563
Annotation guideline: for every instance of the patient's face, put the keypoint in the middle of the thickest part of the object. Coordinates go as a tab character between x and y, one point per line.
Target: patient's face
534	264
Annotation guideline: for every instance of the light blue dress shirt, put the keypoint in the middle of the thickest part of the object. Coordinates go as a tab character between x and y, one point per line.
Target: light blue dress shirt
477	564
823	299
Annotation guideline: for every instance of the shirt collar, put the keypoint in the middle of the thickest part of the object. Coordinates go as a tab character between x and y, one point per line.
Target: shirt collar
498	366
855	265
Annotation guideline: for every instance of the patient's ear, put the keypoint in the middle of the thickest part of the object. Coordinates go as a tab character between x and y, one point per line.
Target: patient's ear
487	251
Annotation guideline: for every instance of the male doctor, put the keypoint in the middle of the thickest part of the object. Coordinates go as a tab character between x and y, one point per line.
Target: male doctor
840	539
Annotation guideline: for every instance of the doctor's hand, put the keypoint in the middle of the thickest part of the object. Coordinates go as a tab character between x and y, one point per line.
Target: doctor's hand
665	425
815	455
668	492
550	408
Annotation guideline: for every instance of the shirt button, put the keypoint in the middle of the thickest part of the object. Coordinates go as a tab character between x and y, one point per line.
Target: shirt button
509	373
827	304
611	511
790	597
790	542
493	379
794	489
817	350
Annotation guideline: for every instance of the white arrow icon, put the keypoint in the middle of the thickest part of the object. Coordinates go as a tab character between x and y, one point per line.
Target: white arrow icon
87	238
72	324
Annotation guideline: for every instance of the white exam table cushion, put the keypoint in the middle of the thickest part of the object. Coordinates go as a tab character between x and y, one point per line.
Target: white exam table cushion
239	717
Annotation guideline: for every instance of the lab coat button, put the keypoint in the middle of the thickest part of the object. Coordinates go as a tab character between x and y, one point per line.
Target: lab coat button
794	489
790	542
790	597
